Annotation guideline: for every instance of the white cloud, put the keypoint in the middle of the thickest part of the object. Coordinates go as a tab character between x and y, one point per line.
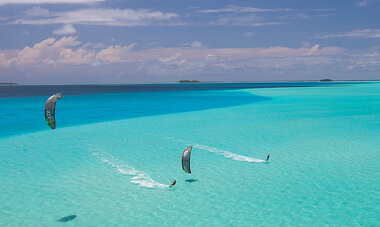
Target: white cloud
75	57
37	12
66	29
313	50
176	59
196	44
171	58
3	60
36	2
321	10
238	9
115	54
365	33
249	16
46	51
102	16
294	16
250	20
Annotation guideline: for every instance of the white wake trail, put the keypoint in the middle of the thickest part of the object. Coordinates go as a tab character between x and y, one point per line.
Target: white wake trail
138	177
225	153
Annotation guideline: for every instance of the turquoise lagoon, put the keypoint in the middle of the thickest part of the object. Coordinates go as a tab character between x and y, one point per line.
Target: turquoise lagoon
113	155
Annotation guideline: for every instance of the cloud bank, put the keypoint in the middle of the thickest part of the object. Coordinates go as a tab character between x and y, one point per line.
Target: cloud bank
238	9
64	50
364	33
68	57
103	16
38	2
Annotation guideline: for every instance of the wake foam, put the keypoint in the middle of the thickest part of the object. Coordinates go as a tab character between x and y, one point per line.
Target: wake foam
225	153
138	177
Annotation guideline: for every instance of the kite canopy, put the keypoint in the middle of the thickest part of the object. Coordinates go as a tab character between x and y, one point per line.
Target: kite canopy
50	109
186	160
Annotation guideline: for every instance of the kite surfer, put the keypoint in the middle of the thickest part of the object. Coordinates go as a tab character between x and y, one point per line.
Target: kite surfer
173	183
267	158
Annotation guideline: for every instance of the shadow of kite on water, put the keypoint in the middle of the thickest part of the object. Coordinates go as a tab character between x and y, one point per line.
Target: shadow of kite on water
191	180
67	218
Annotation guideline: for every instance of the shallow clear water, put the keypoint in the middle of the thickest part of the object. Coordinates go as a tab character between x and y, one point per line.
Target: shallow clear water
112	157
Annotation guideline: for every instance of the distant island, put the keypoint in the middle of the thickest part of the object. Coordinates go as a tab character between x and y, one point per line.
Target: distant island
8	83
325	80
189	81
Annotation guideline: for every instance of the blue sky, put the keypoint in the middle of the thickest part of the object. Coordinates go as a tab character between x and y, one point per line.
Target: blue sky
118	41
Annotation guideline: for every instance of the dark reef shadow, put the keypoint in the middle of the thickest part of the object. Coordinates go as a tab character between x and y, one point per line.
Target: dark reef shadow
101	103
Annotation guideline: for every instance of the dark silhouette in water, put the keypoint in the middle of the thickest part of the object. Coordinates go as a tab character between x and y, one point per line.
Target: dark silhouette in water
173	183
67	218
191	180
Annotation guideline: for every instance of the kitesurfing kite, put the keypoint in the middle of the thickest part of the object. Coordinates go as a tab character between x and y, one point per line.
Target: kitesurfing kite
186	160
50	109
